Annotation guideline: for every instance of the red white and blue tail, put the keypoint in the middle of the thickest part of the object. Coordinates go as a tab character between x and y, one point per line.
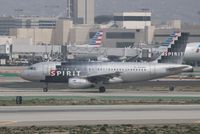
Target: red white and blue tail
171	39
198	49
97	39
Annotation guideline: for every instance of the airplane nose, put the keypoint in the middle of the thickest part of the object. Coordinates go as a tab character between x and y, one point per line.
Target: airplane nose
31	75
23	75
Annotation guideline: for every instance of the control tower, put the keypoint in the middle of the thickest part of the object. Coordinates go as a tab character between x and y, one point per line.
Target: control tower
81	11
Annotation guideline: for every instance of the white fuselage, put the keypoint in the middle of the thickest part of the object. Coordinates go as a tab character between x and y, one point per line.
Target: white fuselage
192	52
128	72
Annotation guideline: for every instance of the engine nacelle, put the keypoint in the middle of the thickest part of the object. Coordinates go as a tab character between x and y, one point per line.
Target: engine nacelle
79	83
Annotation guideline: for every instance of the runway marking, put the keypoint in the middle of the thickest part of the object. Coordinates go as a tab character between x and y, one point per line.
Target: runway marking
7	122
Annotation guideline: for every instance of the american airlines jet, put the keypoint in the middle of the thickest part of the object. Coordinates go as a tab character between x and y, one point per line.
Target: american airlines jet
192	52
96	40
98	74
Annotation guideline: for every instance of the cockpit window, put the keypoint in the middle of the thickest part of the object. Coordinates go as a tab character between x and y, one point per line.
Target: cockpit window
32	68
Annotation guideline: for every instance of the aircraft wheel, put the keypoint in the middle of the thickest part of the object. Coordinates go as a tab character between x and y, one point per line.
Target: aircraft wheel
45	89
102	89
171	88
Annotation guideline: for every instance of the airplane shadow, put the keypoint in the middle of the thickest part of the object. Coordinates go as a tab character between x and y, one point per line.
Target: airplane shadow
29	85
64	88
38	86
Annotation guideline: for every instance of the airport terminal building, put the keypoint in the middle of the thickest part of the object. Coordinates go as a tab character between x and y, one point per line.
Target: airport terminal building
127	29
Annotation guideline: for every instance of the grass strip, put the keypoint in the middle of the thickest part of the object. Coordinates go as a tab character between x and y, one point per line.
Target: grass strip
99	100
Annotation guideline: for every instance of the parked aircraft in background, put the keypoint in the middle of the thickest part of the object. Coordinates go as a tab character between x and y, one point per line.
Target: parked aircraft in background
96	41
192	53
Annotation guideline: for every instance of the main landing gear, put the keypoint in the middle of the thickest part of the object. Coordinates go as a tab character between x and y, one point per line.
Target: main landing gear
45	88
171	88
102	89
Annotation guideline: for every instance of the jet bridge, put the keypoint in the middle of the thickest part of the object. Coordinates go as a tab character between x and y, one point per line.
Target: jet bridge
94	52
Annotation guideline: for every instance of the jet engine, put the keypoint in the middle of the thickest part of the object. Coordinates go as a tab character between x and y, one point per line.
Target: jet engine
79	83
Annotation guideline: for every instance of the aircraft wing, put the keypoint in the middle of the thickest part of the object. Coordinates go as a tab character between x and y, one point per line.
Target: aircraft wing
104	77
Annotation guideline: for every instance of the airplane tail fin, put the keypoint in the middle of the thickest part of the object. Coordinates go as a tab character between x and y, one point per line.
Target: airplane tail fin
173	49
198	49
171	39
97	38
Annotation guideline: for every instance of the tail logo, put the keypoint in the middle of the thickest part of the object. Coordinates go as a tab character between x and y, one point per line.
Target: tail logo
97	39
171	39
198	49
173	54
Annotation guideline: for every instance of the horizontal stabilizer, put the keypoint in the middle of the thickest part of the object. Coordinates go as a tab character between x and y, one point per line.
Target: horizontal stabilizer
175	69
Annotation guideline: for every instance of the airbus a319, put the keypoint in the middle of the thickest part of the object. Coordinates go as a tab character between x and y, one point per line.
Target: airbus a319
89	74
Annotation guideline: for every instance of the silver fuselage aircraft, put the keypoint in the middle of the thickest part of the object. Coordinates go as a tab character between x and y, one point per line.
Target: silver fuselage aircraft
89	74
192	52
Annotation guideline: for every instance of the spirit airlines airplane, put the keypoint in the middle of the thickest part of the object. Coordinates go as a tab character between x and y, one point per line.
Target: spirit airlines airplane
192	51
90	74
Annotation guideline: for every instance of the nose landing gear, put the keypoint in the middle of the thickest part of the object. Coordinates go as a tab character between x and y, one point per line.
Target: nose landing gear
102	89
45	88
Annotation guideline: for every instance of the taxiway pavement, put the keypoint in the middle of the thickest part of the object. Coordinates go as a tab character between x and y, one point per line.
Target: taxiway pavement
15	86
92	115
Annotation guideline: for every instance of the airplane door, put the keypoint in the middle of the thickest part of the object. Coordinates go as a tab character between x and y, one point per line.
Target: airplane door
46	70
43	69
152	70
